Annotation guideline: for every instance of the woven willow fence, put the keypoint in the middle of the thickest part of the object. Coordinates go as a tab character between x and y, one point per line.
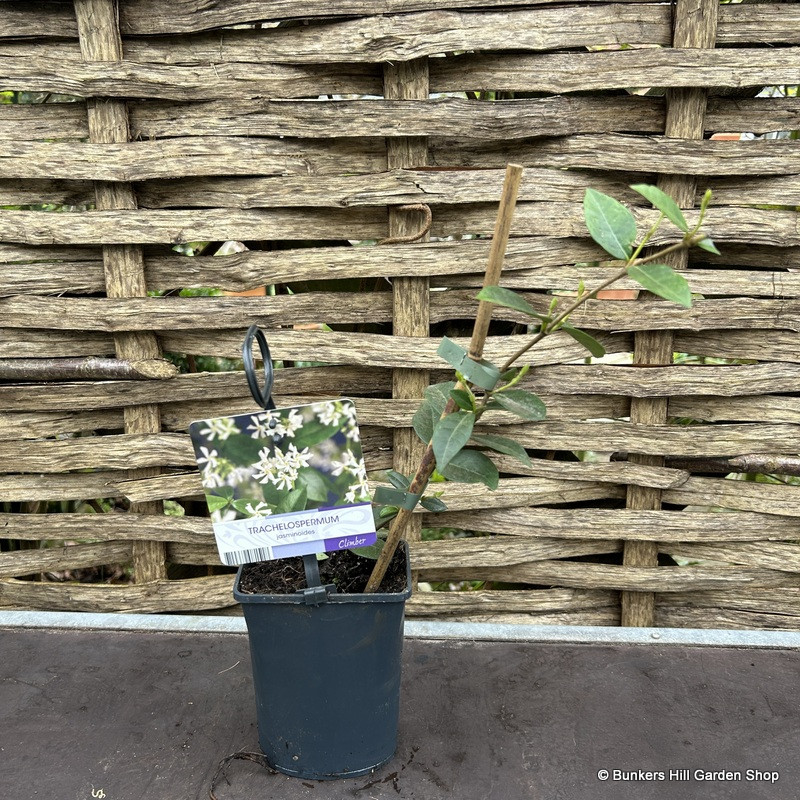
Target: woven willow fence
307	137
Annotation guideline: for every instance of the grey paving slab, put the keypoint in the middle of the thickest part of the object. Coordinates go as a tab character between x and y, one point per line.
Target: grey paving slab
138	715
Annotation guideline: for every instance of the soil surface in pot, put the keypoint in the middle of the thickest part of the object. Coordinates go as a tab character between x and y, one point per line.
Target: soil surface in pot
348	571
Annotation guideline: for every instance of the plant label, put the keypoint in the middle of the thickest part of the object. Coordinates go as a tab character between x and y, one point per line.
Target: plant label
286	482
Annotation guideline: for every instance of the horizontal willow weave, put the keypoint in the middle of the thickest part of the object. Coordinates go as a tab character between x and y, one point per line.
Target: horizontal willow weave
304	131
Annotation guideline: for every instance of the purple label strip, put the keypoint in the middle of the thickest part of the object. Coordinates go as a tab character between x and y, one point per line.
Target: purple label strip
324	545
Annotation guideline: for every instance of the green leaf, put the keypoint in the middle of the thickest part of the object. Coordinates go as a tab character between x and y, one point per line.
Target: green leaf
216	503
663	281
428	414
397	479
312	433
502	445
523	404
396	497
610	224
508	299
707	244
315	484
382	515
425	419
295	500
241	506
481	373
589	342
372	551
390	497
433	504
439	394
298	499
450	436
472	466
463	399
664	203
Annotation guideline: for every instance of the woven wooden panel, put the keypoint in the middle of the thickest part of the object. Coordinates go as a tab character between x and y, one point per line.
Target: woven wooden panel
304	136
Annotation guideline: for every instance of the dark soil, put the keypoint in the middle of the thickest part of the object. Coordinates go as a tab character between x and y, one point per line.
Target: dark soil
343	568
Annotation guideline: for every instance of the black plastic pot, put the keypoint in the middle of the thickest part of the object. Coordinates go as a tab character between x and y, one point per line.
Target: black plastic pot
327	679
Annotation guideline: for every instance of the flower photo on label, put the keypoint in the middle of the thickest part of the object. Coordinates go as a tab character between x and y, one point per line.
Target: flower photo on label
281	461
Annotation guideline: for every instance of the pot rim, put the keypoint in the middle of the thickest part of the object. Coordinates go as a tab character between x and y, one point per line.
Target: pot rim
337	598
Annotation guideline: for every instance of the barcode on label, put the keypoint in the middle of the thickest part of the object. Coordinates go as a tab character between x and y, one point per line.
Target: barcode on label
246	556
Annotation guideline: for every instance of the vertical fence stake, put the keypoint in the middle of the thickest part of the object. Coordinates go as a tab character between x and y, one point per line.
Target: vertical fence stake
695	25
100	40
408	80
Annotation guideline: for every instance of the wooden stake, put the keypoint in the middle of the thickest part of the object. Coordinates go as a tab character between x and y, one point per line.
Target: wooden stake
695	26
100	41
502	230
497	254
411	296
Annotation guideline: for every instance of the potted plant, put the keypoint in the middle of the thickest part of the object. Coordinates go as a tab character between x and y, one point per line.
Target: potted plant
326	663
285	486
327	675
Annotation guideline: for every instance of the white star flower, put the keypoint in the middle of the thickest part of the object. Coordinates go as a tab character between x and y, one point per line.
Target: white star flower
351	464
279	468
220	428
210	457
329	413
293	423
260	509
266	425
210	478
359	493
297	458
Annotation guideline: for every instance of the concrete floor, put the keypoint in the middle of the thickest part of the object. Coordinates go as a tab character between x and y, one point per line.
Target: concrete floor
137	715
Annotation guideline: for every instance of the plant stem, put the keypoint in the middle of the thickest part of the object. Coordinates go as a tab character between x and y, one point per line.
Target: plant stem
683	244
502	231
647	237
